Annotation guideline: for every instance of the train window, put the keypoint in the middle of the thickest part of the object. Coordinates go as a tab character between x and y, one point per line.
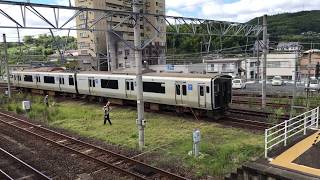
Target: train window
132	86
49	79
14	77
208	89
178	91
184	90
93	83
127	85
109	84
201	91
71	81
38	78
28	78
154	87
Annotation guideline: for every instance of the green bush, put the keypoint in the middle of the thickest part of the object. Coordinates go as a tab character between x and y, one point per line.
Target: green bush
275	117
19	110
10	107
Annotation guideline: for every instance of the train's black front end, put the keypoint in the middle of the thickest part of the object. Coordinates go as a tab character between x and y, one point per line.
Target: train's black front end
222	94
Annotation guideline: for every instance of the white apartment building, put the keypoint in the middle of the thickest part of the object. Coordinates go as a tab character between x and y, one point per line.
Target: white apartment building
251	68
91	44
281	65
228	66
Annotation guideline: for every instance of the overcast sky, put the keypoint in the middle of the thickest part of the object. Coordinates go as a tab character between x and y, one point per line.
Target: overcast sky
229	10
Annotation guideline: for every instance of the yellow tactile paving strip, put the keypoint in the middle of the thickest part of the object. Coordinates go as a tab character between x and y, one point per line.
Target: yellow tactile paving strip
286	158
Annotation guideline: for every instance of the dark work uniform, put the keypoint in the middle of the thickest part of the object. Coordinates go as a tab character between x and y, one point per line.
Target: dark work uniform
106	115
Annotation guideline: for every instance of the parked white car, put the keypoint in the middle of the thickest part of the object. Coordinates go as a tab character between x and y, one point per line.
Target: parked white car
238	84
314	85
277	81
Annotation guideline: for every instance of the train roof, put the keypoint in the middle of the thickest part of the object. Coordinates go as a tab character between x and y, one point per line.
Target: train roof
166	74
129	72
44	69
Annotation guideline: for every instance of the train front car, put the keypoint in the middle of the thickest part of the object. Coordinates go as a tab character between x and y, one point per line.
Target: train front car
221	94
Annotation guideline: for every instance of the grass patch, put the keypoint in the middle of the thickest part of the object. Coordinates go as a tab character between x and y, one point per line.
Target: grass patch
223	149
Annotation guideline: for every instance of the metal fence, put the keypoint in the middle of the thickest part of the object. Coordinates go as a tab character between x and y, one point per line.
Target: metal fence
288	129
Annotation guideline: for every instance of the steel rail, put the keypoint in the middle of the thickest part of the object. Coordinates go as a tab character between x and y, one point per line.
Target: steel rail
257	125
90	146
5	174
258	103
73	150
255	113
24	164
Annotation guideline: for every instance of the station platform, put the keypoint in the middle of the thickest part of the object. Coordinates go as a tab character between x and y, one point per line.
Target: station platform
303	157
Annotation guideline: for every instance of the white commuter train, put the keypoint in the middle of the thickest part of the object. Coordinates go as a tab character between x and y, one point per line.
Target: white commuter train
200	92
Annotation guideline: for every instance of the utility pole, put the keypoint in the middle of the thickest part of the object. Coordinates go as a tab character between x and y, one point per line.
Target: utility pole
97	54
246	61
7	64
309	77
138	58
294	93
258	57
20	48
264	65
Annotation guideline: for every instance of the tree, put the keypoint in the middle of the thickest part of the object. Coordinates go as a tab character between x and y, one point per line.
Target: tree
28	40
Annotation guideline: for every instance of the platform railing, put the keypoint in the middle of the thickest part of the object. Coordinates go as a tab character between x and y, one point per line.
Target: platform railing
288	129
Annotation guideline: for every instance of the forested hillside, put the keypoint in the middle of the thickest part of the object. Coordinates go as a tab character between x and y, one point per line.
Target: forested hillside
38	48
302	26
297	27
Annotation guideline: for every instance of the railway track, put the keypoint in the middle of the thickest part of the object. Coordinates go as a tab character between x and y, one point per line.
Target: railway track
255	113
244	119
247	124
258	103
127	166
12	167
241	94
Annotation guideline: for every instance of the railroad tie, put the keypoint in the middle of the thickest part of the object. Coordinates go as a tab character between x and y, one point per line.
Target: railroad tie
315	141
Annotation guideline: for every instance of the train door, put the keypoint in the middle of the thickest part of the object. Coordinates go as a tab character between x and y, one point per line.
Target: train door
129	88
61	82
38	83
15	79
19	79
202	95
181	92
91	85
217	94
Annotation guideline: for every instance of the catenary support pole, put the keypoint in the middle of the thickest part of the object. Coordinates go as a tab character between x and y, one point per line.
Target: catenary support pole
264	65
258	63
309	78
20	48
7	64
294	93
138	59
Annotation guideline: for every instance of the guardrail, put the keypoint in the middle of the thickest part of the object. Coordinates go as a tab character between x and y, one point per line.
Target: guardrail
282	132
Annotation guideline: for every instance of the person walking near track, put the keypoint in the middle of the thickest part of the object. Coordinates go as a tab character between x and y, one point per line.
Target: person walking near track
107	110
46	100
